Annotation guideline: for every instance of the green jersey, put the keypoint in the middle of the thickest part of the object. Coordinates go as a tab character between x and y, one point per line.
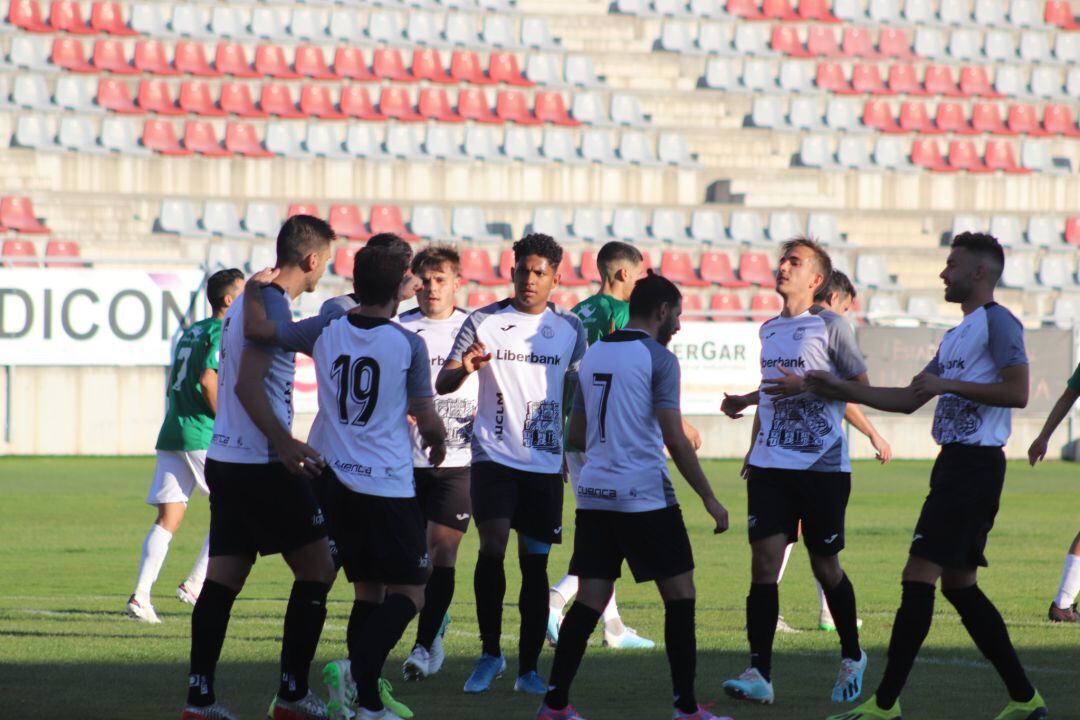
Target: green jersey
601	315
189	421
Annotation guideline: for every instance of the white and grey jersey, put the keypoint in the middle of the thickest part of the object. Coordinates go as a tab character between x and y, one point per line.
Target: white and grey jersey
457	410
236	438
805	432
624	379
988	340
367	370
519	417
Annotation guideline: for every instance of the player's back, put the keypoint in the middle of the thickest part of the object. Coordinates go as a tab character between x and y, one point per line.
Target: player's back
189	419
367	369
624	379
602	314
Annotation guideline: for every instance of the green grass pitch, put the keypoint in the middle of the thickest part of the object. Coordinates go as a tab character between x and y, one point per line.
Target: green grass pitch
71	531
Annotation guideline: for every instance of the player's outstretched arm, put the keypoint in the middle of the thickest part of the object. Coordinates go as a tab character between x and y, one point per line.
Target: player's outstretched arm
682	452
1061	408
899	400
744	471
257	326
854	415
430	426
733	405
298	457
1011	392
454	372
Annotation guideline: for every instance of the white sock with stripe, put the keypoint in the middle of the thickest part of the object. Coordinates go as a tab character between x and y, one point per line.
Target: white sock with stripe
155	548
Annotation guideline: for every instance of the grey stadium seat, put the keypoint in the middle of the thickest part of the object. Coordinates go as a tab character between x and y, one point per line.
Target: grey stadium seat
1019	272
1034	46
968	223
269	23
871	270
229	22
306	24
1006	228
345	25
588	108
673	150
286	138
402	142
670	226
720	74
796	77
31	92
535	33
783	226
1072	83
671	8
745	227
220	218
119	134
922	307
384	27
543	70
262	255
31	53
423	29
1046	82
676	37
550	221
1008	81
707	226
178	216
751	39
1000	45
480	143
223	255
823	228
1044	231
149	19
891	153
758	75
929	43
883	11
990	13
1024	13
1067	48
884	307
364	141
955	13
521	143
588	225
631	7
964	45
76	93
324	139
849	10
579	71
460	30
262	218
78	134
628	225
441	141
715	39
814	151
189	21
469	223
634	147
707	9
596	146
558	146
429	222
843	115
918	12
1056	271
499	31
1066	311
33	131
766	112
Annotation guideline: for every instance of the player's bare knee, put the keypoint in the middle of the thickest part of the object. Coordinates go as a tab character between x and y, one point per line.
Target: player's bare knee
765	566
826	569
680	587
958	579
920	570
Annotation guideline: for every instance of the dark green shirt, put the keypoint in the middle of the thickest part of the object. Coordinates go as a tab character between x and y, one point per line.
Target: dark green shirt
189	422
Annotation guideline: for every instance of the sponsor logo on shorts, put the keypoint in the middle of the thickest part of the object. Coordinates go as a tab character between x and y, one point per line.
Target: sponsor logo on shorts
318	519
424	561
558	530
751	521
462	516
831	540
916	537
352	468
598	493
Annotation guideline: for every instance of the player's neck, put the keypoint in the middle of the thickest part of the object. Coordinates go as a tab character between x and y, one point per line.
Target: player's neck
537	310
979	297
219	314
291	280
441	315
386	310
612	290
795	305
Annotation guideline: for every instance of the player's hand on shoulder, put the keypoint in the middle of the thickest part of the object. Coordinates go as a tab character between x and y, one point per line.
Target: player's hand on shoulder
475	357
733	405
787	385
264	277
300	458
719	514
1037	451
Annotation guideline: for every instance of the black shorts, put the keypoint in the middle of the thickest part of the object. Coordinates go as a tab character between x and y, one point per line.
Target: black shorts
956	517
533	502
778	499
260	509
444	496
379	539
653	543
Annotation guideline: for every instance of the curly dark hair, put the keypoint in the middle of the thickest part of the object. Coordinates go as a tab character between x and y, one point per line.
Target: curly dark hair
541	245
985	246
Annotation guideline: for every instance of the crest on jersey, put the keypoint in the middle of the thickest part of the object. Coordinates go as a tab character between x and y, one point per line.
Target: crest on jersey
543	426
799	424
799	334
547	332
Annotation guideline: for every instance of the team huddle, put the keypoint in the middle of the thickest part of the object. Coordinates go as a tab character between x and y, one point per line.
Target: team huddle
431	417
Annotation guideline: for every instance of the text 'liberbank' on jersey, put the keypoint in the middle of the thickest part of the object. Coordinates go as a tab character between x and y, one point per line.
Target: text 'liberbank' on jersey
989	340
367	369
805	432
624	379
236	438
519	410
456	410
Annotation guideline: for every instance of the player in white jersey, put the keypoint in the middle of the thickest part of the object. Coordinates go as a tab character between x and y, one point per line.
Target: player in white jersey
260	498
443	492
798	471
522	349
626	409
980	372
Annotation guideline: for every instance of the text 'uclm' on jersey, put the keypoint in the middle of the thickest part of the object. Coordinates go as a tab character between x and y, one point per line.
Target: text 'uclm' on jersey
783	362
529	357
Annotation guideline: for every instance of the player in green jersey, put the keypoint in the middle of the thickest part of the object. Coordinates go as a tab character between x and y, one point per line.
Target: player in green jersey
191	403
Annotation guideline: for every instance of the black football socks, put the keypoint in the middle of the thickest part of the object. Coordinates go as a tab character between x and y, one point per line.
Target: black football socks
489	584
437	597
533	603
762	612
841	601
910	628
577	627
304	618
680	641
369	649
209	621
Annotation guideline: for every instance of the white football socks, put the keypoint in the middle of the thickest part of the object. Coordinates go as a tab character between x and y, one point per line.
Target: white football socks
198	571
821	599
155	548
566	588
1070	583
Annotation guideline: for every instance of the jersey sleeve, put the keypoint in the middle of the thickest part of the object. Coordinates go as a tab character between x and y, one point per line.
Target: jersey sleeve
1074	381
1005	336
300	336
934	366
466	335
665	378
277	310
843	350
418	376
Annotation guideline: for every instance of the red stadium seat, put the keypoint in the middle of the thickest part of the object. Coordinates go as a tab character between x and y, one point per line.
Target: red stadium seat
476	267
568	275
344	257
481	298
1059	12
756	269
506	265
276	99
857	43
1024	119
395	103
727	303
60	253
939	81
66	16
914	117
195	98
349	63
108	17
316	101
303	209
270	61
821	41
503	67
830	76
963	155
18	249
974	81
512	106
109	55
473	105
17	213
68	54
427	65
387	219
231	59
434	104
310	62
1059	120
347	223
389	65
236	99
692	305
764	306
356	102
678	267
867	79
785	39
1072	231
155	96
114	95
190	57
241	138
904	80
1000	156
159	136
895	43
151	57
778	10
820	10
716	268
927	154
199	137
26	15
589	270
745	9
551	108
465	67
877	114
950	118
986	118
564	299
